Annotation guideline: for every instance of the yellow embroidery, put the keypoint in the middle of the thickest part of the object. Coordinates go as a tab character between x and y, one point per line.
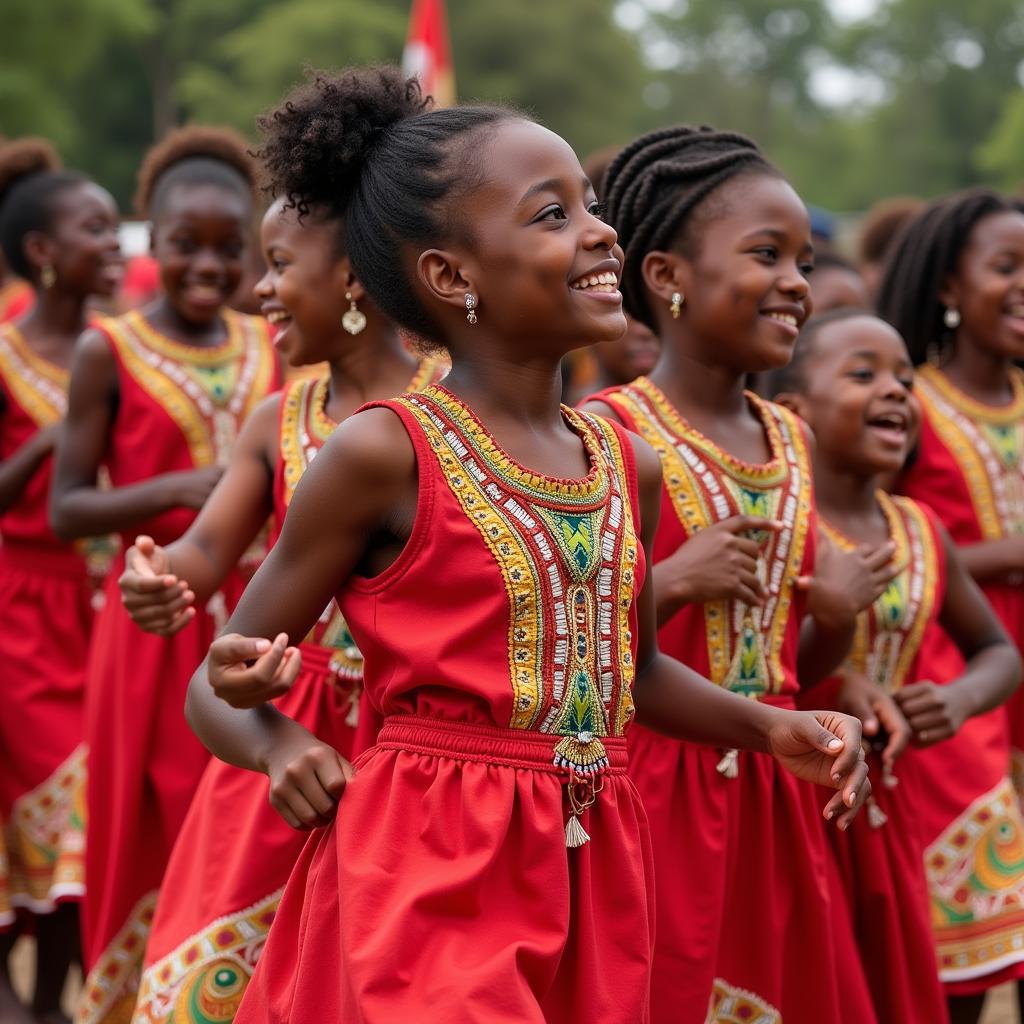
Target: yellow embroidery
37	385
732	1005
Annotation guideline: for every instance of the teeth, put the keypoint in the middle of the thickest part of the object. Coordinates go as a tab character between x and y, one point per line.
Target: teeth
784	318
277	315
606	282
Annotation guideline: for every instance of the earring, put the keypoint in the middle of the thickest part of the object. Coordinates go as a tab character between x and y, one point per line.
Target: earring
353	321
471	307
951	318
677	305
47	276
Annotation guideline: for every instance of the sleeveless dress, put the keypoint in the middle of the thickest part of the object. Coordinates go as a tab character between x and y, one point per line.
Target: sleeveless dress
46	618
881	856
234	852
179	408
969	467
746	928
499	647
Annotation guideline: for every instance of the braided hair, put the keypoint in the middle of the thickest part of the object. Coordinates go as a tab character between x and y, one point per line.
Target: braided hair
655	187
926	253
363	147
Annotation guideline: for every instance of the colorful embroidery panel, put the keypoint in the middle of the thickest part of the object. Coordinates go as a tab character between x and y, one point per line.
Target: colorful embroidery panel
988	445
731	1005
567	551
707	485
889	634
37	385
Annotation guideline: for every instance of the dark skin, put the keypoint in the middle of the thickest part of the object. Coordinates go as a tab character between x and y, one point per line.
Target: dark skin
534	234
633	355
834	287
81	245
988	291
858	398
745	295
199	239
303	292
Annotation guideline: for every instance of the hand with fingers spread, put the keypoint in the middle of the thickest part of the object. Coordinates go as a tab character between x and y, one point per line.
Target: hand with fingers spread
846	582
824	747
248	671
934	712
307	779
155	599
718	563
880	717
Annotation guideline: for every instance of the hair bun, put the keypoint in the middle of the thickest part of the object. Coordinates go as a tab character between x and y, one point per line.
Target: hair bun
317	141
21	157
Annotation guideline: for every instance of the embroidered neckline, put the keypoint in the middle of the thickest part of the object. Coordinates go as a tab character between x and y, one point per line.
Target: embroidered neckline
179	351
592	487
1012	412
57	374
762	473
894	524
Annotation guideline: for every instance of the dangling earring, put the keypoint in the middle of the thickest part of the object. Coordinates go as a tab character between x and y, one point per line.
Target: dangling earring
471	307
47	276
677	305
353	321
951	318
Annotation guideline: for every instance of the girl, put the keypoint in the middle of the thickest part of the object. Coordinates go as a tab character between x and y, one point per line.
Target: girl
58	232
234	852
157	397
717	253
851	380
954	288
499	608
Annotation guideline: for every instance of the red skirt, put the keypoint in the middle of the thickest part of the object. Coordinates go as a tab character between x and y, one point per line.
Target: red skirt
45	622
231	861
144	766
882	870
444	892
749	926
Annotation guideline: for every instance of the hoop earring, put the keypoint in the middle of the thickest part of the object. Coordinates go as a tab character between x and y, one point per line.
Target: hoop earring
471	305
676	306
951	318
47	276
354	321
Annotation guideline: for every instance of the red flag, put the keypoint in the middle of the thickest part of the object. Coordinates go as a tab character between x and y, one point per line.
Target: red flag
428	52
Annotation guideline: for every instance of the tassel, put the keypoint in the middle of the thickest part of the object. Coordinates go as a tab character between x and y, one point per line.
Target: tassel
729	766
352	718
217	609
876	816
575	833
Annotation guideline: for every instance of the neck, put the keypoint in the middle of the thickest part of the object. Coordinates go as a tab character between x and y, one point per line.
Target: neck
844	495
697	387
374	364
56	314
981	373
166	319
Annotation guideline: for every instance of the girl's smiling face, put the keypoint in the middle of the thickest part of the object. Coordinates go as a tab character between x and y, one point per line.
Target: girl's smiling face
86	252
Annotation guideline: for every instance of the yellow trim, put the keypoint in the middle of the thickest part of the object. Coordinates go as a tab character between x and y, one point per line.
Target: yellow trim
1002	415
38	386
730	1004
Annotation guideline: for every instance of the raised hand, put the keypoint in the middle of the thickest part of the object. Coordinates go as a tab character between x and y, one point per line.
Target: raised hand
824	747
846	582
155	599
248	671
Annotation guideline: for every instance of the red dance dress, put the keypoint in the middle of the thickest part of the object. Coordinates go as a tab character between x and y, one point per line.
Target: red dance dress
46	619
746	928
500	648
179	408
235	852
16	299
968	468
881	857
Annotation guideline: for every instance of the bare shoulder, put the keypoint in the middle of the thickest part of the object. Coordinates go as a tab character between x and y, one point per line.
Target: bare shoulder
93	350
596	407
648	466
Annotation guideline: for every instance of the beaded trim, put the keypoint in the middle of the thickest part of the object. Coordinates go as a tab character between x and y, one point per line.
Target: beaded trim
889	633
39	386
707	485
730	1004
568	556
987	443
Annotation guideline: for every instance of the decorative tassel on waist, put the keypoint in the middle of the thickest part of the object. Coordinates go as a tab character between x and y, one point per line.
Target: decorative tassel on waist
729	766
582	790
352	718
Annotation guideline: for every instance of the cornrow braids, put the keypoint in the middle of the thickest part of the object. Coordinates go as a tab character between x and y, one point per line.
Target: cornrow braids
654	187
926	253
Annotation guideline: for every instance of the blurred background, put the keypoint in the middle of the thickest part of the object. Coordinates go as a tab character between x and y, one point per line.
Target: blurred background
854	99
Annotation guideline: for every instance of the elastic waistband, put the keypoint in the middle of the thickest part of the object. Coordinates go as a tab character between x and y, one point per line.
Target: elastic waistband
512	748
42	559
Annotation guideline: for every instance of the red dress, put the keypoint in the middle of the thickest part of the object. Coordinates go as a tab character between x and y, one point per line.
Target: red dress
45	621
234	852
16	298
179	408
499	646
968	467
745	913
881	857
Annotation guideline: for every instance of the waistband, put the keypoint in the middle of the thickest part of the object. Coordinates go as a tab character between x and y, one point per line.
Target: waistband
38	558
486	744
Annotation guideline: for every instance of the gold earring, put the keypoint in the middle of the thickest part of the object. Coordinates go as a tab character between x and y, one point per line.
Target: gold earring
677	305
354	321
471	307
47	276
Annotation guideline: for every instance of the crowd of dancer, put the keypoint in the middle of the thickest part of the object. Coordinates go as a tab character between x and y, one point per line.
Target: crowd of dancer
687	698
